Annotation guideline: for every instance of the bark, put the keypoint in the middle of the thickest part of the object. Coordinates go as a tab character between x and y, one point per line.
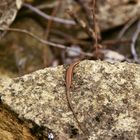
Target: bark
105	97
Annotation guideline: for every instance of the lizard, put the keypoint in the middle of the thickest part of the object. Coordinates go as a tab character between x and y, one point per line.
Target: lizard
69	75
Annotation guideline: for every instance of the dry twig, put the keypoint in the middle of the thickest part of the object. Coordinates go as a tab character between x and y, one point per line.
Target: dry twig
127	26
134	39
49	26
116	42
87	12
44	15
81	23
60	46
95	35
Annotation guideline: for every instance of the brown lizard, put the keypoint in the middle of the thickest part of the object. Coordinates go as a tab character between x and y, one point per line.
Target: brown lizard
69	75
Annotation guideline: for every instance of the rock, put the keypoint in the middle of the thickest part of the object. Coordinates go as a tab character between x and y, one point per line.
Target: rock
8	12
111	13
105	97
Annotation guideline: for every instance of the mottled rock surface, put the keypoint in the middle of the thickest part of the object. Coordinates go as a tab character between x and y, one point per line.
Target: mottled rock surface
105	96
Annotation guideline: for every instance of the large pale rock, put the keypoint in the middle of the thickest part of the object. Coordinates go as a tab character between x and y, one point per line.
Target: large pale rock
105	96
